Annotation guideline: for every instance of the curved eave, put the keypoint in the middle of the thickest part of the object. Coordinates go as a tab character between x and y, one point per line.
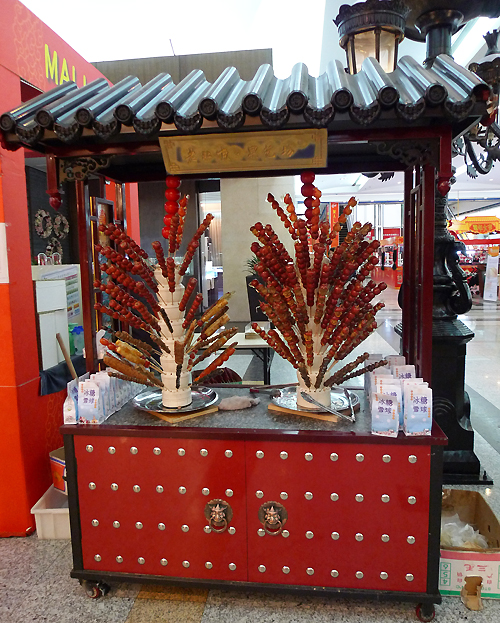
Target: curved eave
411	95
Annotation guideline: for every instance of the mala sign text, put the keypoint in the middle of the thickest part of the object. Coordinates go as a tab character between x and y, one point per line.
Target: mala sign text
57	70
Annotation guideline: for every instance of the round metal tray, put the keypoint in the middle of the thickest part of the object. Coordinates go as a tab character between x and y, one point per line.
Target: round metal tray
288	400
150	400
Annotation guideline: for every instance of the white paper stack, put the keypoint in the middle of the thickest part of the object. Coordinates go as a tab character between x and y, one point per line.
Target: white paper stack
398	400
95	397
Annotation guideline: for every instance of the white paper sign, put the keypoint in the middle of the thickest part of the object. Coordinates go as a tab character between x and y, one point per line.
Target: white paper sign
4	262
490	292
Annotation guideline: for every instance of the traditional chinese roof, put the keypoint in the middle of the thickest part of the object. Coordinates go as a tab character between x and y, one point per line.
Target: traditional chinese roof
367	99
122	124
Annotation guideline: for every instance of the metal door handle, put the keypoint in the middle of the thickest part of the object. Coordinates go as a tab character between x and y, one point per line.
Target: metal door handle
218	513
273	516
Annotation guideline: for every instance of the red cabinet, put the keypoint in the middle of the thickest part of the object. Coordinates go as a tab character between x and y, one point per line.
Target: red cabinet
142	504
357	515
341	513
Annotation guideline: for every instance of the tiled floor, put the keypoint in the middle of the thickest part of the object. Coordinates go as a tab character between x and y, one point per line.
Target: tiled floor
34	574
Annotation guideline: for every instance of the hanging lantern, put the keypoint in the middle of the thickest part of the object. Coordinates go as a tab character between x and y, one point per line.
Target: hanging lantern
372	29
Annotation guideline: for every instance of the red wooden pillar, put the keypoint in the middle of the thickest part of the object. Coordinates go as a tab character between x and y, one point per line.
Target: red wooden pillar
408	287
418	268
425	266
86	275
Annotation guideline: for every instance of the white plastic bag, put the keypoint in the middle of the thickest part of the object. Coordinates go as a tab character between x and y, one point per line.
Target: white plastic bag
456	533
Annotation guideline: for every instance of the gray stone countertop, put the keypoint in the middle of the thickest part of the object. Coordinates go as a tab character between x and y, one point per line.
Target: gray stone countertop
256	418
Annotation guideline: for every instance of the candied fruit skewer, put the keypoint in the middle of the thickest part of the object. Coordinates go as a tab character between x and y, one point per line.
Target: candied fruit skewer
212	320
191	285
348	368
171	274
124	377
215	326
129	370
224	356
126	337
214	347
160	256
213	309
192	310
369	368
194	244
172	238
204	343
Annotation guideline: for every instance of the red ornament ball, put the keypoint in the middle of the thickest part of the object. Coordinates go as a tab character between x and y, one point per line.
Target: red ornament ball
173	181
171	207
308	202
172	194
307	177
307	190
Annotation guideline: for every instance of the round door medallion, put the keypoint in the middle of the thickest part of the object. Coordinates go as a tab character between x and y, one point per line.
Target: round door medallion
218	513
273	516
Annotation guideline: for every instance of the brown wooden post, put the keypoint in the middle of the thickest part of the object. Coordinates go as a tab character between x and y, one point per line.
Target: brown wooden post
408	285
120	211
86	275
425	267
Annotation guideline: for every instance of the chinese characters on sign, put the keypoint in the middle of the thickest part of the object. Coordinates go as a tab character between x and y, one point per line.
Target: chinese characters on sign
251	151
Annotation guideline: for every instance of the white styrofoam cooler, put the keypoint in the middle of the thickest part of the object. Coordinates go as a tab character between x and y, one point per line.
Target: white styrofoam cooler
52	515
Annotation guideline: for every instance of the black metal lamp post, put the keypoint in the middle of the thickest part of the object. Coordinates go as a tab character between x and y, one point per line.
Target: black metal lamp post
434	21
372	29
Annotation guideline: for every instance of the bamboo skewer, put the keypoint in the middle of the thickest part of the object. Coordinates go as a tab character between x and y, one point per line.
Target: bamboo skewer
66	356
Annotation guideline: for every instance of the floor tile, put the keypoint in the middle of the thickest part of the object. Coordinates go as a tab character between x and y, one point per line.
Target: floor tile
172	593
225	606
166	611
52	606
24	560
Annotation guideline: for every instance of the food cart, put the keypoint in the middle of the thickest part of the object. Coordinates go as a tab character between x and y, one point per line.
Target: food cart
362	514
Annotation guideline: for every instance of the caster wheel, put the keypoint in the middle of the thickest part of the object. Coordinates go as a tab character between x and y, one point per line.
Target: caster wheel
103	587
425	612
91	589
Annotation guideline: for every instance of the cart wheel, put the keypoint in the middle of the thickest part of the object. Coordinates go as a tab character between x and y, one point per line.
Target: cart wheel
103	587
425	612
91	589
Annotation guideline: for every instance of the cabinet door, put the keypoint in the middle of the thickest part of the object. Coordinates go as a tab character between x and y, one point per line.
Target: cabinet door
143	500
350	520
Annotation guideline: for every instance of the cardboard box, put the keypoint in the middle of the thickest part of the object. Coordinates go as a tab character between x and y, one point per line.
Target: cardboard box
58	469
52	515
457	563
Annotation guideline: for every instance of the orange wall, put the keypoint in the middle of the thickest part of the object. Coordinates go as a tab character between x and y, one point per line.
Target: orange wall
23	414
31	50
29	423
